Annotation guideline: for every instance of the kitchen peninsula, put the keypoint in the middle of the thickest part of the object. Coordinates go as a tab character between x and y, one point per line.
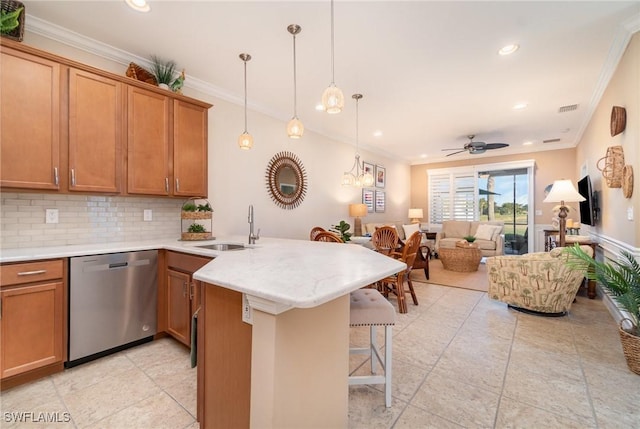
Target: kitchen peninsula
289	369
286	368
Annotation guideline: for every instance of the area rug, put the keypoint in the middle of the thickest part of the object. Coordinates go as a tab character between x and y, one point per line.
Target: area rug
476	280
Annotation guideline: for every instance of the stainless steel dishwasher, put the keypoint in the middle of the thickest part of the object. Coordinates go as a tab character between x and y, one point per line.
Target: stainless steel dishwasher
112	303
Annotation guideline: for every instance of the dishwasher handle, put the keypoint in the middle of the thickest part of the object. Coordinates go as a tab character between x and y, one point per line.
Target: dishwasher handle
118	265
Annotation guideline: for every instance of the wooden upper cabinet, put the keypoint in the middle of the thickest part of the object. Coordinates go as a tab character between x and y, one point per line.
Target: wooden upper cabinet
148	142
95	132
30	118
189	149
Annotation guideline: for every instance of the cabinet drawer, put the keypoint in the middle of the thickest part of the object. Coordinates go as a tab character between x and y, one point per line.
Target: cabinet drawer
186	263
30	272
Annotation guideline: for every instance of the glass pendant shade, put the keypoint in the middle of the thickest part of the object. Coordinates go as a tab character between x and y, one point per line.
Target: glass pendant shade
295	129
348	179
245	141
333	99
367	180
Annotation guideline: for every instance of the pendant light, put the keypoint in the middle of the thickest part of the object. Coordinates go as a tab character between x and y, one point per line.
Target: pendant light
295	129
245	141
357	177
332	97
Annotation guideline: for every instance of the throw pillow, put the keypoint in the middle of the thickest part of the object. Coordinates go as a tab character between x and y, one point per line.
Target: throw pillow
485	232
497	229
410	229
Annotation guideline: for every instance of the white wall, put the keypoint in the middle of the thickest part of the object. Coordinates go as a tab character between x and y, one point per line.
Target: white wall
237	177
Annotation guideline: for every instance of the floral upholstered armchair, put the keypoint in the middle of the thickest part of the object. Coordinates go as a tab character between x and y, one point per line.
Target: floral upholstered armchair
539	282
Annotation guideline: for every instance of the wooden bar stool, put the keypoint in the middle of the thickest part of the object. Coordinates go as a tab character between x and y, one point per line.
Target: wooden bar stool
369	308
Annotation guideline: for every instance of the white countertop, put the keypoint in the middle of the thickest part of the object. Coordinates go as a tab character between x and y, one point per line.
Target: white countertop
294	273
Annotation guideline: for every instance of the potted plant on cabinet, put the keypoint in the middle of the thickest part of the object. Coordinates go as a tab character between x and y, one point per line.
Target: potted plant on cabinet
342	230
621	279
163	71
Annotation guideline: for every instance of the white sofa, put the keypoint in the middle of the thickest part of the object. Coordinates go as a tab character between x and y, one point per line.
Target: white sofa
455	230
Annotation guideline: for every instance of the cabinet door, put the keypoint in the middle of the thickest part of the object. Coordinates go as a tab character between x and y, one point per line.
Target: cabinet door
95	132
189	149
179	306
31	325
147	142
30	118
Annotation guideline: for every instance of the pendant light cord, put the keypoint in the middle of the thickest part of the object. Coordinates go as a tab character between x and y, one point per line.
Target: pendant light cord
295	91
333	73
245	96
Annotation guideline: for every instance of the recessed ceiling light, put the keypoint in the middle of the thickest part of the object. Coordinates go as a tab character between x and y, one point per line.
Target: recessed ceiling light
377	133
320	107
519	106
424	155
139	5
509	49
529	143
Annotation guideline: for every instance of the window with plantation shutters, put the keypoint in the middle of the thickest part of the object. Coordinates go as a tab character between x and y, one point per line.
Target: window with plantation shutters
452	196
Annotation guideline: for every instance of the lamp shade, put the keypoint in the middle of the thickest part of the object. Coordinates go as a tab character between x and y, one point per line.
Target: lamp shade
563	190
357	210
415	214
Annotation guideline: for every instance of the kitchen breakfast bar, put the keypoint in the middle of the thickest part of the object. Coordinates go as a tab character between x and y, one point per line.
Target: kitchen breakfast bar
288	366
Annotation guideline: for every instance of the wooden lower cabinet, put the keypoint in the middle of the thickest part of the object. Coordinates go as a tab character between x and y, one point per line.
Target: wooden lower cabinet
32	320
180	292
224	360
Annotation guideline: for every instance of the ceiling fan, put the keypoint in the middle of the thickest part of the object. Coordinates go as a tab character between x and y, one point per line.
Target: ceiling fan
475	148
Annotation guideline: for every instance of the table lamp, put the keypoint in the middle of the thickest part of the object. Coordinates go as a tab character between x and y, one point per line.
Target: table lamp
415	215
357	211
563	192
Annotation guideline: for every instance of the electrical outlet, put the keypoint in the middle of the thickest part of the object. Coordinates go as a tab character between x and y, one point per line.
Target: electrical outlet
51	216
630	213
148	215
247	311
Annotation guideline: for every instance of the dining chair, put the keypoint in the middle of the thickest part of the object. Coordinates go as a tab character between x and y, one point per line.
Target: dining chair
314	231
328	237
395	283
385	239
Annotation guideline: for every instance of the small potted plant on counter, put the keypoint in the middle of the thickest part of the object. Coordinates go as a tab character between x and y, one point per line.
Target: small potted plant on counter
196	214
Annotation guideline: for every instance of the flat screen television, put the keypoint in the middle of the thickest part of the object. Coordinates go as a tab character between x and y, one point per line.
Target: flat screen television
587	207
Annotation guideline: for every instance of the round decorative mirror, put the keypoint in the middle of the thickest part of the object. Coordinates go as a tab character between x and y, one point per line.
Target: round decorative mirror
286	180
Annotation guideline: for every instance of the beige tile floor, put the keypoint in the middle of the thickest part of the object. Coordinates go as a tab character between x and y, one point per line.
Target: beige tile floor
460	361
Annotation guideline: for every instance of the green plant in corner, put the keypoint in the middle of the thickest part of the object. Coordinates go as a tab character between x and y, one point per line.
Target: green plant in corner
342	228
9	20
620	278
470	238
196	227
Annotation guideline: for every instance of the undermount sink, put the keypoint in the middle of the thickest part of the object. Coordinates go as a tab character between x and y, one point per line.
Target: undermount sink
222	246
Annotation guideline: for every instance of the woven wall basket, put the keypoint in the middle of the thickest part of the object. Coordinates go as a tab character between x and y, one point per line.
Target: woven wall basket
618	120
613	165
631	349
627	181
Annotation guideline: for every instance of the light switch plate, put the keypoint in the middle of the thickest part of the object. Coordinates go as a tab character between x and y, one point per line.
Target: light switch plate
538	212
51	216
630	213
148	215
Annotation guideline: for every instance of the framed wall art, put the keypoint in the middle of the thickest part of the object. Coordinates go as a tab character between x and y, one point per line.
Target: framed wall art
367	198
380	176
368	168
380	201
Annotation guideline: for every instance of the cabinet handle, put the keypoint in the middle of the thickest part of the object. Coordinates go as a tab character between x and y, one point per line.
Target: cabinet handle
166	184
31	273
177	185
184	289
56	179
73	177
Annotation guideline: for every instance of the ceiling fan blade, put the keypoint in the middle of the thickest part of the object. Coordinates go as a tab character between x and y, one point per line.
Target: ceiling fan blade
457	148
453	153
496	145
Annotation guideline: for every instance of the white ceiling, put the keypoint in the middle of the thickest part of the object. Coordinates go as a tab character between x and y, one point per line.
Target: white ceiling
429	71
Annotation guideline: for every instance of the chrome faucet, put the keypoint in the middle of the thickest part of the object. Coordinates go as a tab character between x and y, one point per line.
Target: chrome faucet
252	237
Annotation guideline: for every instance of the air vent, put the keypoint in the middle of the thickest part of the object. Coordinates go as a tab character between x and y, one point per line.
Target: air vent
568	108
551	141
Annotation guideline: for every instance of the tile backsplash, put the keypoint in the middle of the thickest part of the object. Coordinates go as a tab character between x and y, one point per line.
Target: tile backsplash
85	219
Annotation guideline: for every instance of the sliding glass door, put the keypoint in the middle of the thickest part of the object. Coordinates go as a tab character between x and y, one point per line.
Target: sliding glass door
504	196
499	192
